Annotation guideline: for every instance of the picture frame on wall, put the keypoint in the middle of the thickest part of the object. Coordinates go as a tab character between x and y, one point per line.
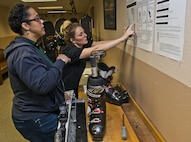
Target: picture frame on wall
109	8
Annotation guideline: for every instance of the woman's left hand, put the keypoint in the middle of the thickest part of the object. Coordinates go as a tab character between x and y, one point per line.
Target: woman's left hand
129	31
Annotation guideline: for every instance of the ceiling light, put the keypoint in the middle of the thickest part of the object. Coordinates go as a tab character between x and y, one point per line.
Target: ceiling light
56	12
37	0
51	7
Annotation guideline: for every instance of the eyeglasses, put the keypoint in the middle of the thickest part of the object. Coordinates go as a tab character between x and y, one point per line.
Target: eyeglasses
37	19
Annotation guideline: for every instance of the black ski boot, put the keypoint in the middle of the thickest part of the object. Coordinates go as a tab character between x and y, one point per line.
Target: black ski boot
97	108
114	95
96	103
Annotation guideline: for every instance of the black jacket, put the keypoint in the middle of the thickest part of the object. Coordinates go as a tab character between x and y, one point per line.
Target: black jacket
36	81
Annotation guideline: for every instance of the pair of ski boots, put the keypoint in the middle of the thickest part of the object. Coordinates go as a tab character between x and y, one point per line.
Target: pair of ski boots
99	91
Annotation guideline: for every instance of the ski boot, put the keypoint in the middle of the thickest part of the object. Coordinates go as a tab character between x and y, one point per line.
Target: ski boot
114	95
106	72
96	103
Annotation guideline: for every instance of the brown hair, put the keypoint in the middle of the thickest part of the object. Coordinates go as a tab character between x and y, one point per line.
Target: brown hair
70	32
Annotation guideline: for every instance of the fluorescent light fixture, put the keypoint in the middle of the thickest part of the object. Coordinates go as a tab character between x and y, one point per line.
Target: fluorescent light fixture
56	12
38	0
50	7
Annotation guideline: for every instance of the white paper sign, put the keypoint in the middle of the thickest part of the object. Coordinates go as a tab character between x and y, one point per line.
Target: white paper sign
131	18
169	28
145	24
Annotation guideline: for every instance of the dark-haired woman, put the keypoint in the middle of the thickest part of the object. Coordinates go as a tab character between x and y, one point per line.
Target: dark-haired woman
76	38
35	80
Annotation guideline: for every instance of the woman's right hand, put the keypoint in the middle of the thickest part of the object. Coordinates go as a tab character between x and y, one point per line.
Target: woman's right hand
64	58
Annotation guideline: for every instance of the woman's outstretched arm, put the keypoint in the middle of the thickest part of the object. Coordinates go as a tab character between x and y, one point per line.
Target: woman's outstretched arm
105	45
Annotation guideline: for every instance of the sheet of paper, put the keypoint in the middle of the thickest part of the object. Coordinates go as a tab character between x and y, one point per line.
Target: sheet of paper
131	17
145	24
169	28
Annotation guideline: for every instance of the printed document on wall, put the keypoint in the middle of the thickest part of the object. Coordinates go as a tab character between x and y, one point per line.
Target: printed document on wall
169	28
131	17
145	24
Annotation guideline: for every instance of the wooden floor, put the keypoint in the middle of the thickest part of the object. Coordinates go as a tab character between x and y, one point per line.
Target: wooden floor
113	123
